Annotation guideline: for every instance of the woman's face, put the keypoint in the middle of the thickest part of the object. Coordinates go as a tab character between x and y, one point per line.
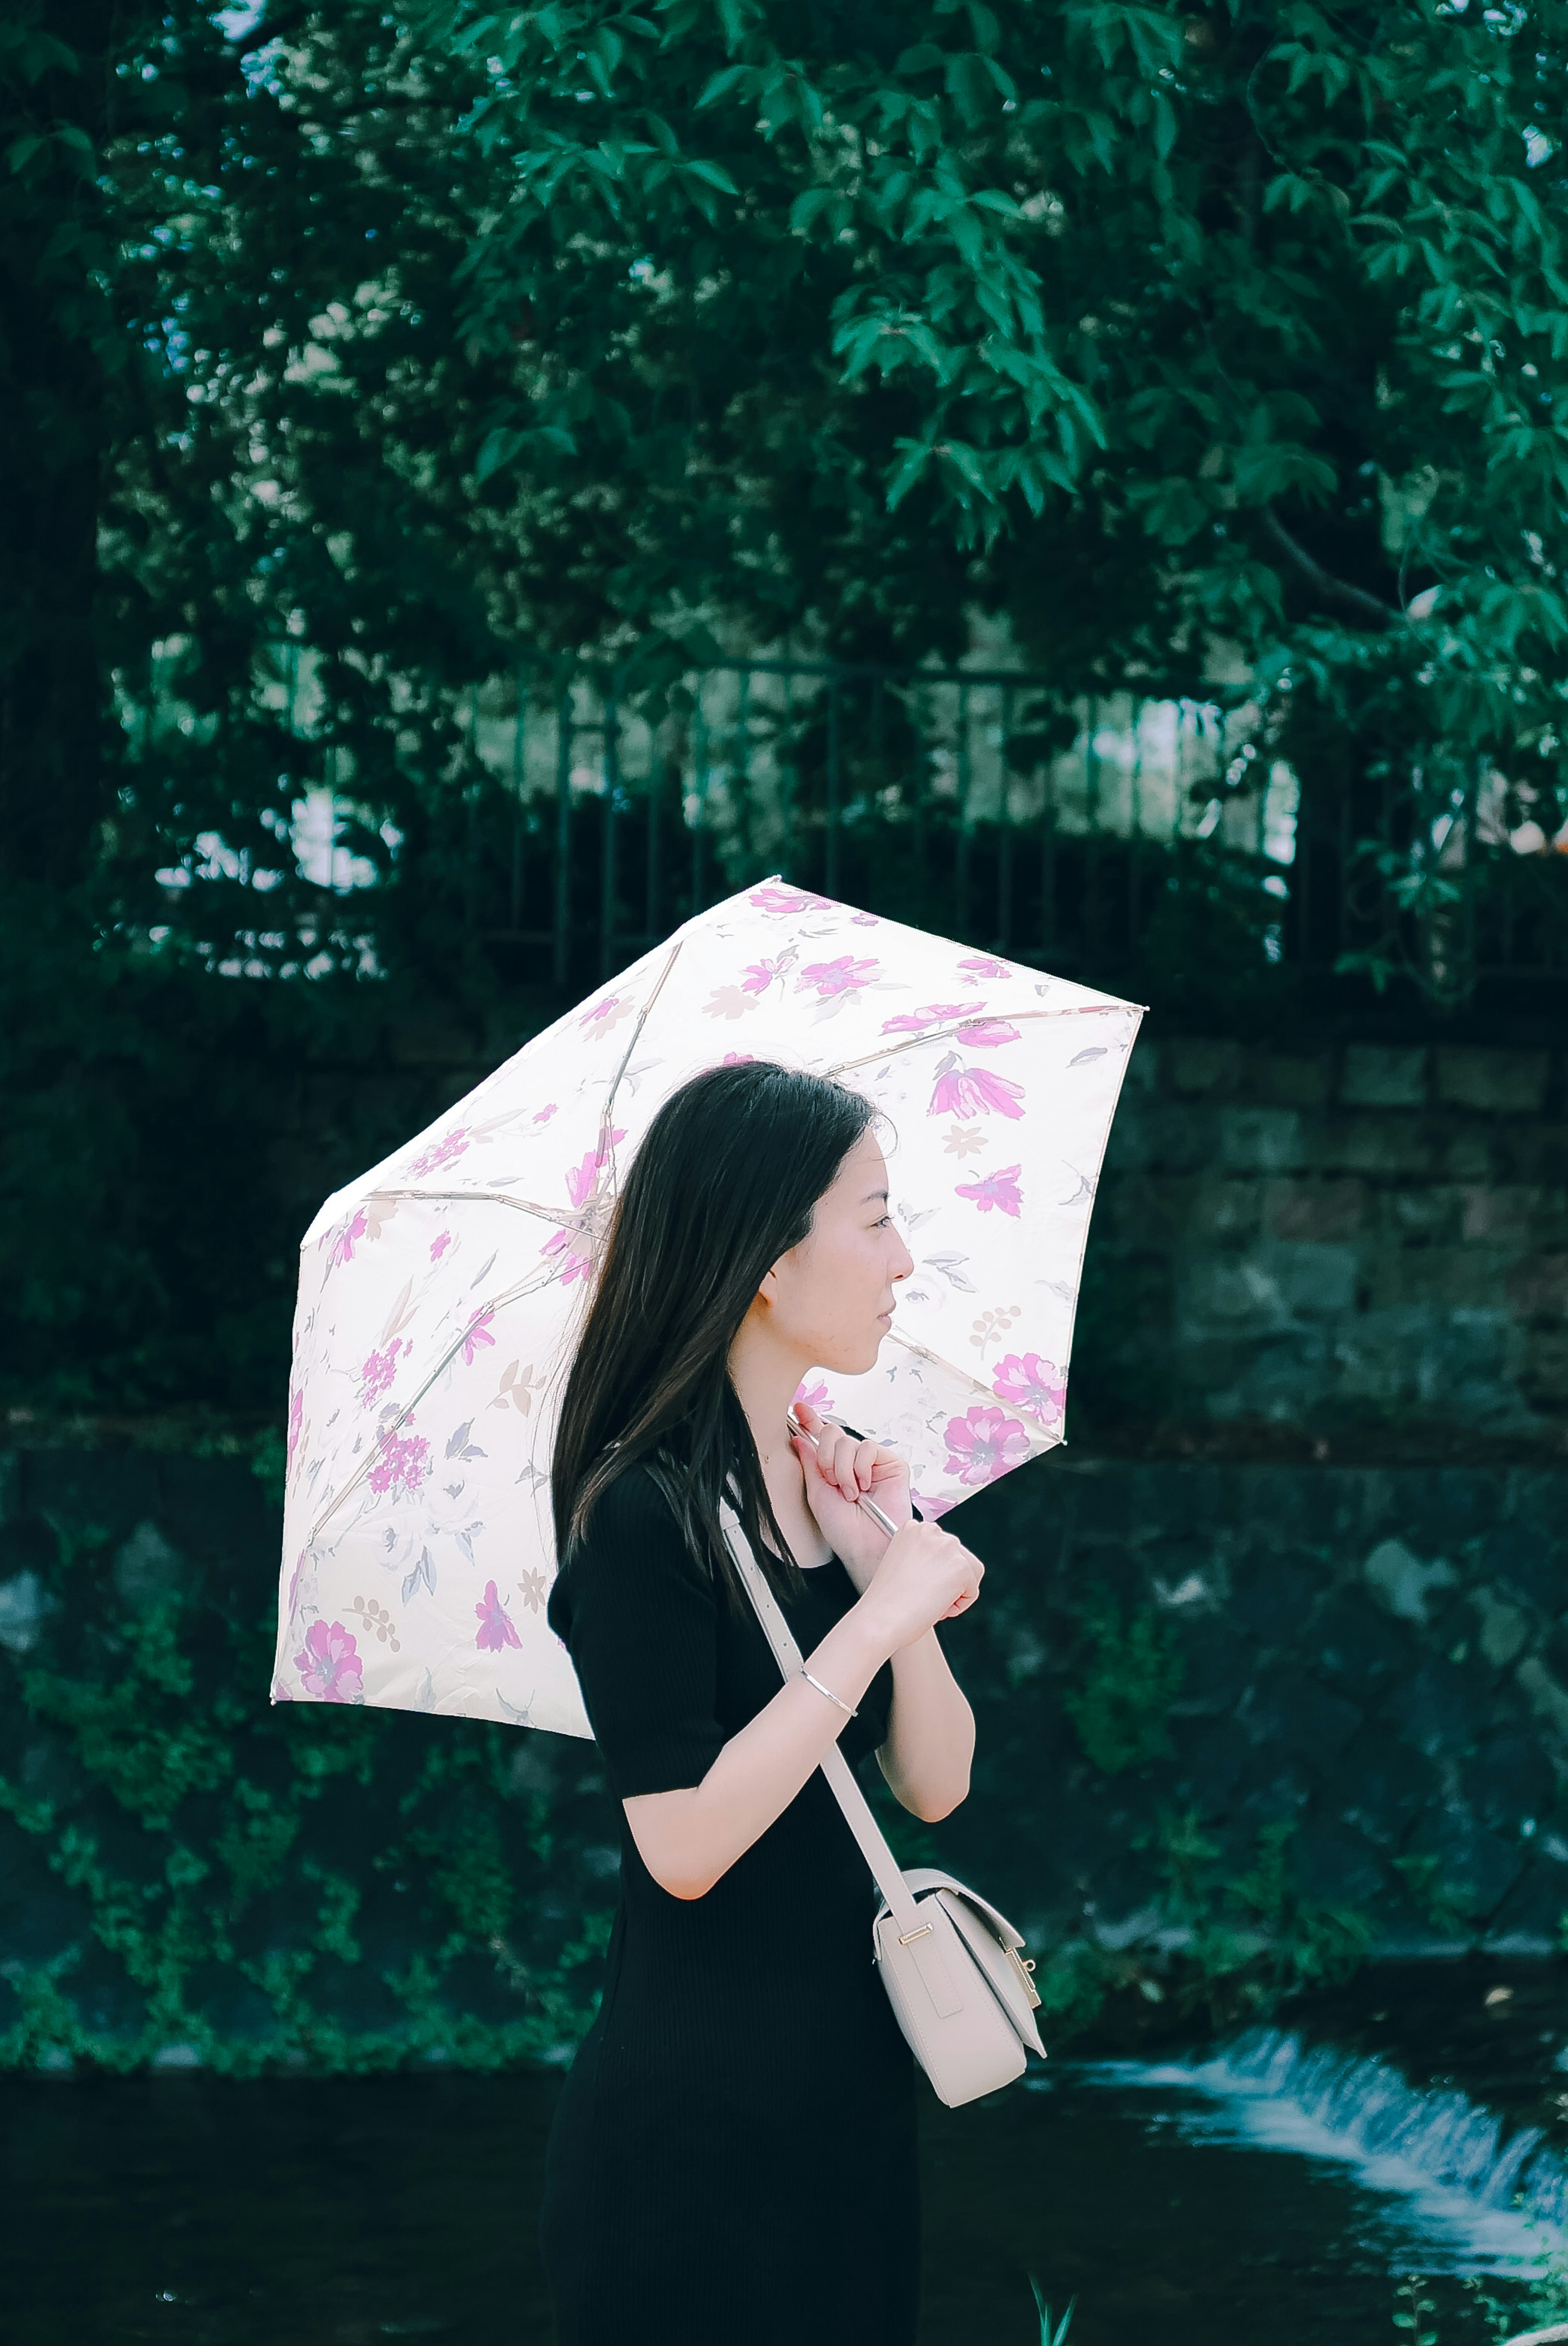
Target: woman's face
830	1299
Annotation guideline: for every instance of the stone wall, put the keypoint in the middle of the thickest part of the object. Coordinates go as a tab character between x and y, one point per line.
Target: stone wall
1360	1247
1368	1665
1376	1658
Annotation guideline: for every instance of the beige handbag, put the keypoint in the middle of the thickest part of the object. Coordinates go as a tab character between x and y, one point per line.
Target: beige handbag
952	1966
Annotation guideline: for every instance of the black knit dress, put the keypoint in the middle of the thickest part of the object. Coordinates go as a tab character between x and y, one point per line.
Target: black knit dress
732	2161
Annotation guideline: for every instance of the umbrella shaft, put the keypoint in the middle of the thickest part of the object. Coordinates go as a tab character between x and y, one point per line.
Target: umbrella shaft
883	1522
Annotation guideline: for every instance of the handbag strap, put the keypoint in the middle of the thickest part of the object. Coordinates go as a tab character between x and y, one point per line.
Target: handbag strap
840	1776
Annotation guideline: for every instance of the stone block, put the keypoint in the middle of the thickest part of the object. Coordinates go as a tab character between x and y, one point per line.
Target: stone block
1443	1709
1510	1784
1391	1147
1291	1080
1547	1697
1505	1214
1315	1207
1430	1215
1475	1869
1544	1377
1402	1582
1236	1290
1224	1210
1379	1787
1378	1075
1315	1281
1292	1714
1261	1139
1503	1082
1527	1560
1503	1630
1474	1156
1358	1649
1529	1922
1202	1066
1539	1285
1331	1861
147	1567
1163	1136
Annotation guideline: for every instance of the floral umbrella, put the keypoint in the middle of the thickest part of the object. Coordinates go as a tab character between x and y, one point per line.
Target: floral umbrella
441	1293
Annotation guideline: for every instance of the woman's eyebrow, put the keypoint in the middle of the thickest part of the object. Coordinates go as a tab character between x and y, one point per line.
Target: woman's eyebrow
872	1194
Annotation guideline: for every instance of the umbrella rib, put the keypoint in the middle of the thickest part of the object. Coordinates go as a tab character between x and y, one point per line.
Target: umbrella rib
488	1197
529	1286
979	1018
939	1361
607	1122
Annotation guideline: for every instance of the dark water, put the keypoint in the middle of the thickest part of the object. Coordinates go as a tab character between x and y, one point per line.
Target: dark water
336	2212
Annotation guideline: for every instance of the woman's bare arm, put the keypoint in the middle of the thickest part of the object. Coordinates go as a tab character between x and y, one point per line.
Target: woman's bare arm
689	1839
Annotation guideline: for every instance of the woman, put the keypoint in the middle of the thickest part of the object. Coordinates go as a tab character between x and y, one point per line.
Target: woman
732	2161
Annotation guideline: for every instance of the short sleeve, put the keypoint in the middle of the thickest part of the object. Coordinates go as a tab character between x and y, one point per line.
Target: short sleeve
639	1617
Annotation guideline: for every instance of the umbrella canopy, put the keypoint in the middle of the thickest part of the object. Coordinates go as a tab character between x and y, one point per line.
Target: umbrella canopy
440	1294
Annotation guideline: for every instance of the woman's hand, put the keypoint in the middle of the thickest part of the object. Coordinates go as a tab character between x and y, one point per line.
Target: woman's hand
925	1575
840	1471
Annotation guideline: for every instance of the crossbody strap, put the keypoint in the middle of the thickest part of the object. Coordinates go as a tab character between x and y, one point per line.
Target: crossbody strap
840	1776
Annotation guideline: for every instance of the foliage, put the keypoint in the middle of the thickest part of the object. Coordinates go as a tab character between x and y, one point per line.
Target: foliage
1245	1941
274	1888
1246	317
1051	2334
1133	1673
360	356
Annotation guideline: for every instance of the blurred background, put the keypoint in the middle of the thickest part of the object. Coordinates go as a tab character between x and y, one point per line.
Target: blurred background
1085	478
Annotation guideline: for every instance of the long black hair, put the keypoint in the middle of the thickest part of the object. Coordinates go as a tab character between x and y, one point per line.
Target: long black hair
725	1182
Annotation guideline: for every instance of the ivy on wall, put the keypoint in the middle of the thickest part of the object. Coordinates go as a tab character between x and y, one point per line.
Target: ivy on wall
194	1877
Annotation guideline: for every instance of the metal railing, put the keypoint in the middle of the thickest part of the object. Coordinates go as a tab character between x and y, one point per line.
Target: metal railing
579	822
962	799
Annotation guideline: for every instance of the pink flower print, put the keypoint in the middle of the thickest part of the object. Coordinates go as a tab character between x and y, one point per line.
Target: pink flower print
296	1426
760	975
985	966
444	1151
988	1033
788	900
935	1014
442	1243
544	1114
973	1091
330	1666
476	1335
402	1464
580	1178
999	1188
832	978
738	1059
931	1509
378	1371
864	921
345	1240
1033	1384
577	1264
607	1014
496	1626
815	1396
985	1444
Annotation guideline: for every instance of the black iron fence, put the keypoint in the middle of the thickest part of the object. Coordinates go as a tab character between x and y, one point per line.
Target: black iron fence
575	827
972	802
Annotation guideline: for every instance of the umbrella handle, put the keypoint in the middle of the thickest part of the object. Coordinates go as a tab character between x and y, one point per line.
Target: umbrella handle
882	1520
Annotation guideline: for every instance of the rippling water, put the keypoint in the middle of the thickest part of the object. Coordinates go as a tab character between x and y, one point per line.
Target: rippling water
1264	2193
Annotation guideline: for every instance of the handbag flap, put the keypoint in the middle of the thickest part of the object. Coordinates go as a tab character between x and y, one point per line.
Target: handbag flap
931	1877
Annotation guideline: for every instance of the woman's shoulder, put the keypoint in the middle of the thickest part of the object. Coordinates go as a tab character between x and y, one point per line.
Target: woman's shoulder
633	1522
631	1555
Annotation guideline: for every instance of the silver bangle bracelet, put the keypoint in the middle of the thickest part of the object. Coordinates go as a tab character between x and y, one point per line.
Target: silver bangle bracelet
829	1692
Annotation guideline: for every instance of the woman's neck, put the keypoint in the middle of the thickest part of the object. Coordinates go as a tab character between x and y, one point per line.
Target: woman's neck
766	1379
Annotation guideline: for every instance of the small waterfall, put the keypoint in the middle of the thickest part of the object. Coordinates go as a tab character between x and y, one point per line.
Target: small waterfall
1505	2190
